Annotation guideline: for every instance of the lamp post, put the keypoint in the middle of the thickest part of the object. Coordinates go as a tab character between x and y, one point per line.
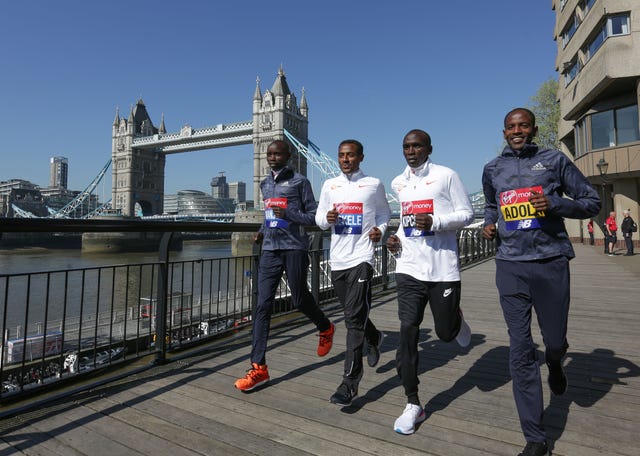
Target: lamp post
603	166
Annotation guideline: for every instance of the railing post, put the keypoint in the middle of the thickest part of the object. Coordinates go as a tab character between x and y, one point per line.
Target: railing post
316	244
162	291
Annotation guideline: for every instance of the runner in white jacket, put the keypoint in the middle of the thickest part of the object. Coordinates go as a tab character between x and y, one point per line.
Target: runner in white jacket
355	207
434	205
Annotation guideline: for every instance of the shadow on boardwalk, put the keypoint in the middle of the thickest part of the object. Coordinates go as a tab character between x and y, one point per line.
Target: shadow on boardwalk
190	407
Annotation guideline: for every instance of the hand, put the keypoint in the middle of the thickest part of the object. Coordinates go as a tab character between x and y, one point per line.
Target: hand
258	237
424	222
393	243
278	211
489	232
539	201
375	234
332	216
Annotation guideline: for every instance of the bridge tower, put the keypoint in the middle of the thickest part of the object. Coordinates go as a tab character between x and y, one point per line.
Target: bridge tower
137	174
274	111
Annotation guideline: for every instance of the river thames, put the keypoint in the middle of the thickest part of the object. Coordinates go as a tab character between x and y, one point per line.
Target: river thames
25	260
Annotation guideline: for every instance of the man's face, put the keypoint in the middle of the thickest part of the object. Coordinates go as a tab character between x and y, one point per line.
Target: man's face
277	156
519	130
349	159
416	149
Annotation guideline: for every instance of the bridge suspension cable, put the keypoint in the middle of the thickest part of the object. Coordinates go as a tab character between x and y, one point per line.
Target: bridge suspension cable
78	200
328	167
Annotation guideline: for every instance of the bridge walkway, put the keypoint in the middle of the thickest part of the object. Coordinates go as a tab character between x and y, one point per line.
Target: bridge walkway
190	407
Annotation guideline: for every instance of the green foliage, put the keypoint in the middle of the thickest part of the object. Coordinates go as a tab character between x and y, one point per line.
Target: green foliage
546	107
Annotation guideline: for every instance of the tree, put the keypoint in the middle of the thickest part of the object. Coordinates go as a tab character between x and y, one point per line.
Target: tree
546	107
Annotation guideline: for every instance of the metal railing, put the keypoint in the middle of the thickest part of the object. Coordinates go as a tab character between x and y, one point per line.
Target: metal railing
64	324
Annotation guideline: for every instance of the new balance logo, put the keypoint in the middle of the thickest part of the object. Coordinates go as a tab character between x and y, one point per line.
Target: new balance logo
447	292
538	167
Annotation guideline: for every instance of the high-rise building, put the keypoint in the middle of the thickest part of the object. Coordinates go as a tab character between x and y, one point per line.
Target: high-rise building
58	172
219	186
238	192
599	91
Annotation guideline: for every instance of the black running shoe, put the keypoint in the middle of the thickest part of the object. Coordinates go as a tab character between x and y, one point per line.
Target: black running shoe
344	395
557	380
373	351
535	449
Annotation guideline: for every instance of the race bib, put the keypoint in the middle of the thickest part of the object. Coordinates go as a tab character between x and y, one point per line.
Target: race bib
517	211
350	218
270	220
409	211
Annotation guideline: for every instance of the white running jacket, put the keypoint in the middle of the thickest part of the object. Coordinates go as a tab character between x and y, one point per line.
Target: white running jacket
362	203
431	256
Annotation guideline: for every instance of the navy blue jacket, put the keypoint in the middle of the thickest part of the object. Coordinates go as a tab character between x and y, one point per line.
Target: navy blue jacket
300	210
558	176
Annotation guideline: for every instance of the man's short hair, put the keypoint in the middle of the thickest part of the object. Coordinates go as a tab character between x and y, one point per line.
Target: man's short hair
528	111
355	142
282	143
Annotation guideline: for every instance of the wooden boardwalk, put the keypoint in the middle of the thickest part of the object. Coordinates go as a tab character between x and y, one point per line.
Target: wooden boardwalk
190	407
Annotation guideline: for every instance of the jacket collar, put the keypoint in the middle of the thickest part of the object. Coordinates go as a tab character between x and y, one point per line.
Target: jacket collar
420	171
353	176
529	150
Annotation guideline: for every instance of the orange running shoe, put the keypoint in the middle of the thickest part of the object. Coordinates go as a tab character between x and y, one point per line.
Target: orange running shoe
256	376
326	340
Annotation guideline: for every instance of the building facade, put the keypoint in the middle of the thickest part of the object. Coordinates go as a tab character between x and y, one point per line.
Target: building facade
598	62
238	191
58	172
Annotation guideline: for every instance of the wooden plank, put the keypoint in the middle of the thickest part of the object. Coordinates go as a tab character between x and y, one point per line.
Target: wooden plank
190	406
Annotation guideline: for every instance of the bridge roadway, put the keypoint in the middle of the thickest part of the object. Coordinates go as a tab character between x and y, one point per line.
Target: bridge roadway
190	407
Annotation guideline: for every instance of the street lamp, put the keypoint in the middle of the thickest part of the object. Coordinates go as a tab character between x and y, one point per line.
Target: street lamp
603	166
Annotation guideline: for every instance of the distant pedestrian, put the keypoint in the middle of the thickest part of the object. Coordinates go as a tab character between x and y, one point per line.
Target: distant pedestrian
590	230
434	205
289	206
612	227
628	227
355	207
525	208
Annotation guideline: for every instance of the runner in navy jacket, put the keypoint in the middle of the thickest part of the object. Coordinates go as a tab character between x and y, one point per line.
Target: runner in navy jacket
524	190
289	206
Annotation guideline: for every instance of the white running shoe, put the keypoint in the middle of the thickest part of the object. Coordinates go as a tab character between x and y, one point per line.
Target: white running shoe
464	335
406	423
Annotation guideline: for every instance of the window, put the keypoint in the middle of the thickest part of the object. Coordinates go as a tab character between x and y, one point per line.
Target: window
627	125
602	130
618	25
613	26
570	73
588	4
563	3
581	137
614	127
569	30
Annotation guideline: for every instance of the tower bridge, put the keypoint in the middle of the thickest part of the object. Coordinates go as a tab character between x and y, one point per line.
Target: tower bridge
139	148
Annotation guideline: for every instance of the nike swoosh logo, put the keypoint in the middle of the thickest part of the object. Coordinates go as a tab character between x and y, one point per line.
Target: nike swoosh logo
428	182
362	280
447	292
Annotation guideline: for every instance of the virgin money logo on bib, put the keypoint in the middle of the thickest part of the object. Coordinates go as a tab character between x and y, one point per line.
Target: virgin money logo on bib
270	220
517	211
349	218
409	211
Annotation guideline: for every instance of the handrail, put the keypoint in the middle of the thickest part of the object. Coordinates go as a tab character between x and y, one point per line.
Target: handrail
162	308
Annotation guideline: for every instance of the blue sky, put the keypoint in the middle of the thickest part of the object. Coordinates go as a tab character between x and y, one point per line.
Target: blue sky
371	70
